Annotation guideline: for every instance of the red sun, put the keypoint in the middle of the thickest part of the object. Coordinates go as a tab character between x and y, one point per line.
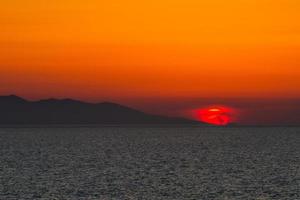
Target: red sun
217	115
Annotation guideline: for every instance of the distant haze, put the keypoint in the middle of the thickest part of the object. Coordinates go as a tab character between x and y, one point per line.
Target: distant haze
248	111
238	111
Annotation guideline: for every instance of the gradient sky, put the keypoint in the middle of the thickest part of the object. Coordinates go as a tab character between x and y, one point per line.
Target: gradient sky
160	49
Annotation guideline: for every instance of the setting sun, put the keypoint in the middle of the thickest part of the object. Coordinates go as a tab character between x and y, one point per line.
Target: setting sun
220	115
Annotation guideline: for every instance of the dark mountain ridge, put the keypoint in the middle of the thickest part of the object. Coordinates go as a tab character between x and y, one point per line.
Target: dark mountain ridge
16	110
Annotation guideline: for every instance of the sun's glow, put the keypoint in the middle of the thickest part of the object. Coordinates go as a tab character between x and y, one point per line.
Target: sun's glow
220	115
214	110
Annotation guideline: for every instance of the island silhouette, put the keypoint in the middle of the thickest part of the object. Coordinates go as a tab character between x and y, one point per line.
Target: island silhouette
17	110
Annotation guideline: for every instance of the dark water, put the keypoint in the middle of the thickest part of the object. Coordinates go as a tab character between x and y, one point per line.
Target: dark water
150	163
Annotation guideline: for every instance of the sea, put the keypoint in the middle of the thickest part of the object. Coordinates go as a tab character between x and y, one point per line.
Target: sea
149	162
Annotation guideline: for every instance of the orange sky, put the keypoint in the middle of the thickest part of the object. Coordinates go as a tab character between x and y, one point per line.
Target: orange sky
101	50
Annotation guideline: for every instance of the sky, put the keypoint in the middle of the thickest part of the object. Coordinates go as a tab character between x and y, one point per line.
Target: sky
152	54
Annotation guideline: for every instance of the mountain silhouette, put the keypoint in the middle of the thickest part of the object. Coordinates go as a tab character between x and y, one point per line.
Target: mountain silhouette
16	110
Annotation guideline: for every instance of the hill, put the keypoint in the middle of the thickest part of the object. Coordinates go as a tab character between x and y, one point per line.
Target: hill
16	110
